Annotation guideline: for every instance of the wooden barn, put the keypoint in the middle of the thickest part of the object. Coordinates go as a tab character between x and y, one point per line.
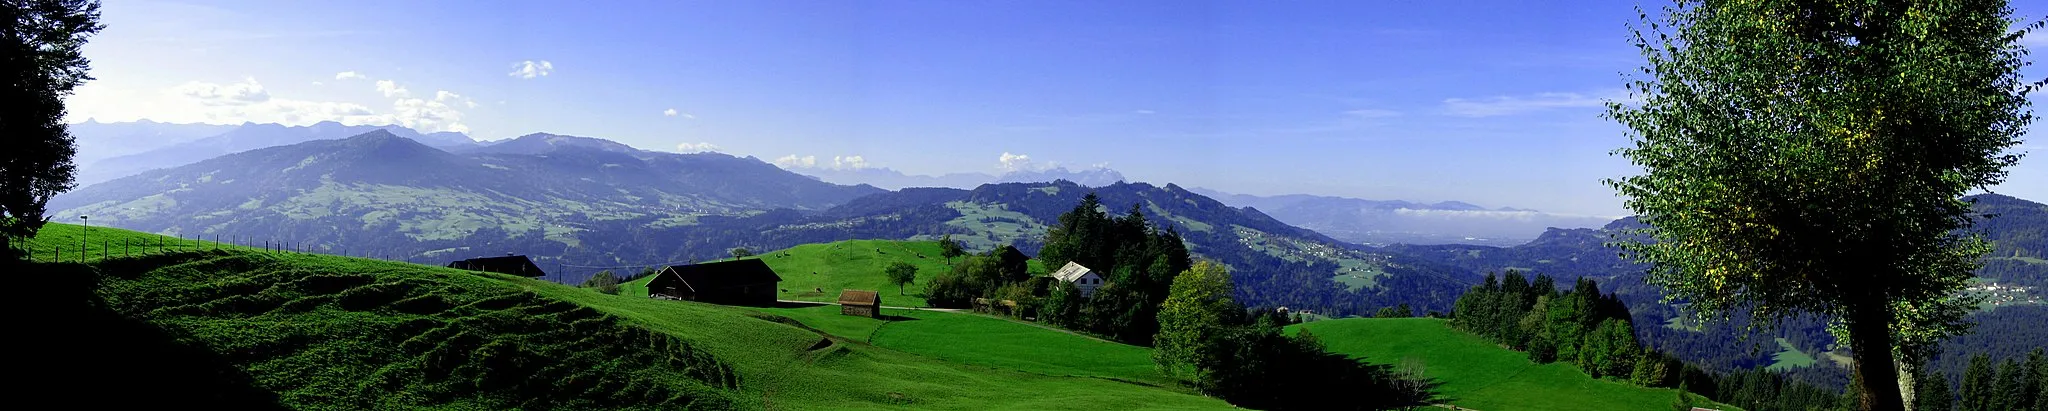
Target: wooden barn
739	282
517	265
860	303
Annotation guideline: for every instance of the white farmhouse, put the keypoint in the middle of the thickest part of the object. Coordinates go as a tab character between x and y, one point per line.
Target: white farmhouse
1081	276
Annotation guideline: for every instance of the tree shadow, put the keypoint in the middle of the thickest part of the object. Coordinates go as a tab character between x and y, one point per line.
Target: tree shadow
105	359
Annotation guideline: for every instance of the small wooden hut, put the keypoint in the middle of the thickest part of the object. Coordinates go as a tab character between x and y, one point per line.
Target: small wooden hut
860	303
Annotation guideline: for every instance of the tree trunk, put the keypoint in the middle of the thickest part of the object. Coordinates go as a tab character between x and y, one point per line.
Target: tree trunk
1908	377
1870	335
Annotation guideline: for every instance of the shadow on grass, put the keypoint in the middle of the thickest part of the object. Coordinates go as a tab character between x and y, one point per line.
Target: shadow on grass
94	357
796	304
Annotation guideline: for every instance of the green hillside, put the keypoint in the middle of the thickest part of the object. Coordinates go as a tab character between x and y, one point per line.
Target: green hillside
816	272
313	331
981	340
1479	375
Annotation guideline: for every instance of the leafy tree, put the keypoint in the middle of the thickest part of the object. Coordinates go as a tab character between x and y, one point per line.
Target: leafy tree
740	252
950	248
603	282
1809	157
1062	306
1195	310
900	273
41	64
1682	403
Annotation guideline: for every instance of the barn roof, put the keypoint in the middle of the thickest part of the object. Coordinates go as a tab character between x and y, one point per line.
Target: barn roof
720	274
508	264
1070	272
860	297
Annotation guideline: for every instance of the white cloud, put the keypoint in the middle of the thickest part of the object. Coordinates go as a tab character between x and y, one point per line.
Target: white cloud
248	101
244	92
391	89
1015	162
792	161
706	147
669	112
1143	112
1513	105
438	114
849	162
530	69
350	75
673	113
316	83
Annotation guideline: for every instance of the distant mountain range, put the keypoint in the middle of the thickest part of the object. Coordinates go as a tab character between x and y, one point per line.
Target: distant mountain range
891	179
115	150
382	193
1375	222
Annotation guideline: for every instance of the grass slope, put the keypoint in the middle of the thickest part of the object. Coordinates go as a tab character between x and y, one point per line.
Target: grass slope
314	331
1789	357
1478	374
981	340
852	264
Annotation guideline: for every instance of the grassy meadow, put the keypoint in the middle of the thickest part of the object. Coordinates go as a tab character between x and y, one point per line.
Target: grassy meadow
1478	374
268	331
817	272
981	340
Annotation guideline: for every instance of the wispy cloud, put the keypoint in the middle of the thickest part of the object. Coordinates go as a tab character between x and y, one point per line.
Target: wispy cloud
846	162
530	69
350	75
1514	105
704	147
674	113
1372	113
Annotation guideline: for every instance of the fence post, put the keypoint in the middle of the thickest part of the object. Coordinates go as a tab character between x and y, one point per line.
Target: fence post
57	255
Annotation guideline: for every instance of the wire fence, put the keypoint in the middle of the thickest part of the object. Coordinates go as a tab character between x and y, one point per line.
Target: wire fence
87	249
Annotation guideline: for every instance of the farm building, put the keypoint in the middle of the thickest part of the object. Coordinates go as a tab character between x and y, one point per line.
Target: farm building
1081	276
860	303
738	282
517	265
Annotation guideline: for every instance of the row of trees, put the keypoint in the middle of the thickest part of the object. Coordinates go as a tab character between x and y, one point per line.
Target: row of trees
1594	332
2018	385
1580	326
1243	356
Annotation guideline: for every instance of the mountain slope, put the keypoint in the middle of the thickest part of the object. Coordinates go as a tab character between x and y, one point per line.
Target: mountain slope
248	136
1386	222
381	194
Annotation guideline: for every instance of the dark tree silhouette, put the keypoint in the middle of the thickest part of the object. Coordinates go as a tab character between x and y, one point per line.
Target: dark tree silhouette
41	65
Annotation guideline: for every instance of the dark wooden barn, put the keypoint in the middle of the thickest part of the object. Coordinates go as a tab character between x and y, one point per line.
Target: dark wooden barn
860	303
517	265
740	282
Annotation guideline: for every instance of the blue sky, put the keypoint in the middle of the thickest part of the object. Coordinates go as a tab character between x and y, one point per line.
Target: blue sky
1490	102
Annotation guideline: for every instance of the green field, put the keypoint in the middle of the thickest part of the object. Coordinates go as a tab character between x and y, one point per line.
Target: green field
1789	357
982	340
316	331
1478	374
817	272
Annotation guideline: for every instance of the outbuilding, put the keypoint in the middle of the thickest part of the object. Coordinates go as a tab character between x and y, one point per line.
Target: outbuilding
517	265
860	303
738	282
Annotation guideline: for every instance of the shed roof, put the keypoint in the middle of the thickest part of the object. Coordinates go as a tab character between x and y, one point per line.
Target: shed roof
508	264
703	276
860	297
1070	272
